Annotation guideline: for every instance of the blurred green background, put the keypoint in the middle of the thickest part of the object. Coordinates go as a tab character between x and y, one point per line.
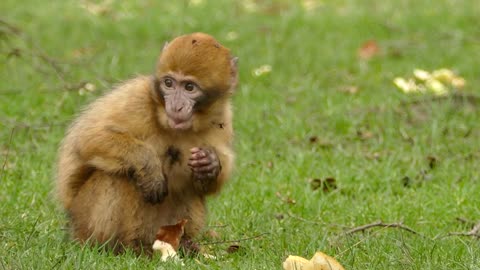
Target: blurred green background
316	105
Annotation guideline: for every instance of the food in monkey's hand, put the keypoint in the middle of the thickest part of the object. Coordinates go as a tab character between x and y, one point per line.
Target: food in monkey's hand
168	240
319	261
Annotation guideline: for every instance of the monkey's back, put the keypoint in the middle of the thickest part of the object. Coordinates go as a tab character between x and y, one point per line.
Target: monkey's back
105	112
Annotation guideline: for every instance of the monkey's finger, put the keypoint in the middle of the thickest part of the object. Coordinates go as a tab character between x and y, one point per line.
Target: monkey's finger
198	155
199	162
195	150
208	168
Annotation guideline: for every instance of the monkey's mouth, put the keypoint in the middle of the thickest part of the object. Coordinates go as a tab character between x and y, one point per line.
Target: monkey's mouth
179	124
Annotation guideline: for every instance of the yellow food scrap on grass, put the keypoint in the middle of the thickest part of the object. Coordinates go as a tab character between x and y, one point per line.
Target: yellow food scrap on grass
439	82
319	261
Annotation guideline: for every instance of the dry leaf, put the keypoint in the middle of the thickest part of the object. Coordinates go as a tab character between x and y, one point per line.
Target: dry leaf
349	89
327	185
313	139
286	199
368	50
432	162
364	134
172	233
233	248
406	181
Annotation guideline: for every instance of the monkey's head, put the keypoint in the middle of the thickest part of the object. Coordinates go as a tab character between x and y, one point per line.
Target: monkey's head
194	74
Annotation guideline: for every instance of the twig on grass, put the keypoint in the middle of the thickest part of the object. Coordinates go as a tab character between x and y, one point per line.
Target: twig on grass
10	27
290	214
465	221
34	126
7	153
372	225
234	241
34	50
380	224
474	232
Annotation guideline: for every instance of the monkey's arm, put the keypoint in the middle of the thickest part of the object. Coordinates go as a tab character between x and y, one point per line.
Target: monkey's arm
115	151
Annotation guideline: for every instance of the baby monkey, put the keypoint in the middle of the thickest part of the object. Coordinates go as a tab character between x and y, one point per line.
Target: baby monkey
147	154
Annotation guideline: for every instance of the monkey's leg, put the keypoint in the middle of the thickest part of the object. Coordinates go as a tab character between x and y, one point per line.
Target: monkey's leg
110	210
196	222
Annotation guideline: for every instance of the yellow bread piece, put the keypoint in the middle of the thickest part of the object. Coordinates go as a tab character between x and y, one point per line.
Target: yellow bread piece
320	261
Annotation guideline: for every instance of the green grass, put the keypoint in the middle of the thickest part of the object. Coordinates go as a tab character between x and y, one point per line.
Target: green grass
375	143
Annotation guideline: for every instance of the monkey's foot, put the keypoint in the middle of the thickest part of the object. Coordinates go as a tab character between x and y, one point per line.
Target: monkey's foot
188	247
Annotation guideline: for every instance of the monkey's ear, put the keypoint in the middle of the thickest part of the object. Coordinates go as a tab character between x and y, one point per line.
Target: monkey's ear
234	73
234	61
165	46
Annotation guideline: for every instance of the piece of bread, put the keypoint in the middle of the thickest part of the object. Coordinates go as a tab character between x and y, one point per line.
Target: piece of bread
320	261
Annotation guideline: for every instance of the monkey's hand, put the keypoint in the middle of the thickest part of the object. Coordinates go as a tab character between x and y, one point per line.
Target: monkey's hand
205	166
151	182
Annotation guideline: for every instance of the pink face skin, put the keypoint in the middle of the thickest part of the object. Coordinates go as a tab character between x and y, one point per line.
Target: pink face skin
180	94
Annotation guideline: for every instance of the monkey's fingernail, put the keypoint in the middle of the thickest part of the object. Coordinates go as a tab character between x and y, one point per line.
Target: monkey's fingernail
194	150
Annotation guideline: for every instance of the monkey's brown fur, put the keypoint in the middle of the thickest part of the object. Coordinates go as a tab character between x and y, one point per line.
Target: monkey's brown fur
123	172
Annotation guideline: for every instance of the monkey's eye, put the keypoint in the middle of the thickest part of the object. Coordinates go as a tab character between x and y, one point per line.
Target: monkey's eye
189	86
168	82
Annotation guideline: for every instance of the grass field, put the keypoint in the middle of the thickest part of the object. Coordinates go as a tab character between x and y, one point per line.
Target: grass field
317	111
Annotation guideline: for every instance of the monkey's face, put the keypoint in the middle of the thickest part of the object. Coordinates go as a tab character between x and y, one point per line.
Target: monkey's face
194	72
182	96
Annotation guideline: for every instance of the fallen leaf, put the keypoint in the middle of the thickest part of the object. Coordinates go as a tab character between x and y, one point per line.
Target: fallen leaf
368	50
313	139
172	233
315	183
432	162
327	185
330	184
406	181
349	89
233	248
373	156
364	134
286	199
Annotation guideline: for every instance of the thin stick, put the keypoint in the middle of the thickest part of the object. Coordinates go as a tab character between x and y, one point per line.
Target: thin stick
474	232
380	224
8	153
290	214
371	225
